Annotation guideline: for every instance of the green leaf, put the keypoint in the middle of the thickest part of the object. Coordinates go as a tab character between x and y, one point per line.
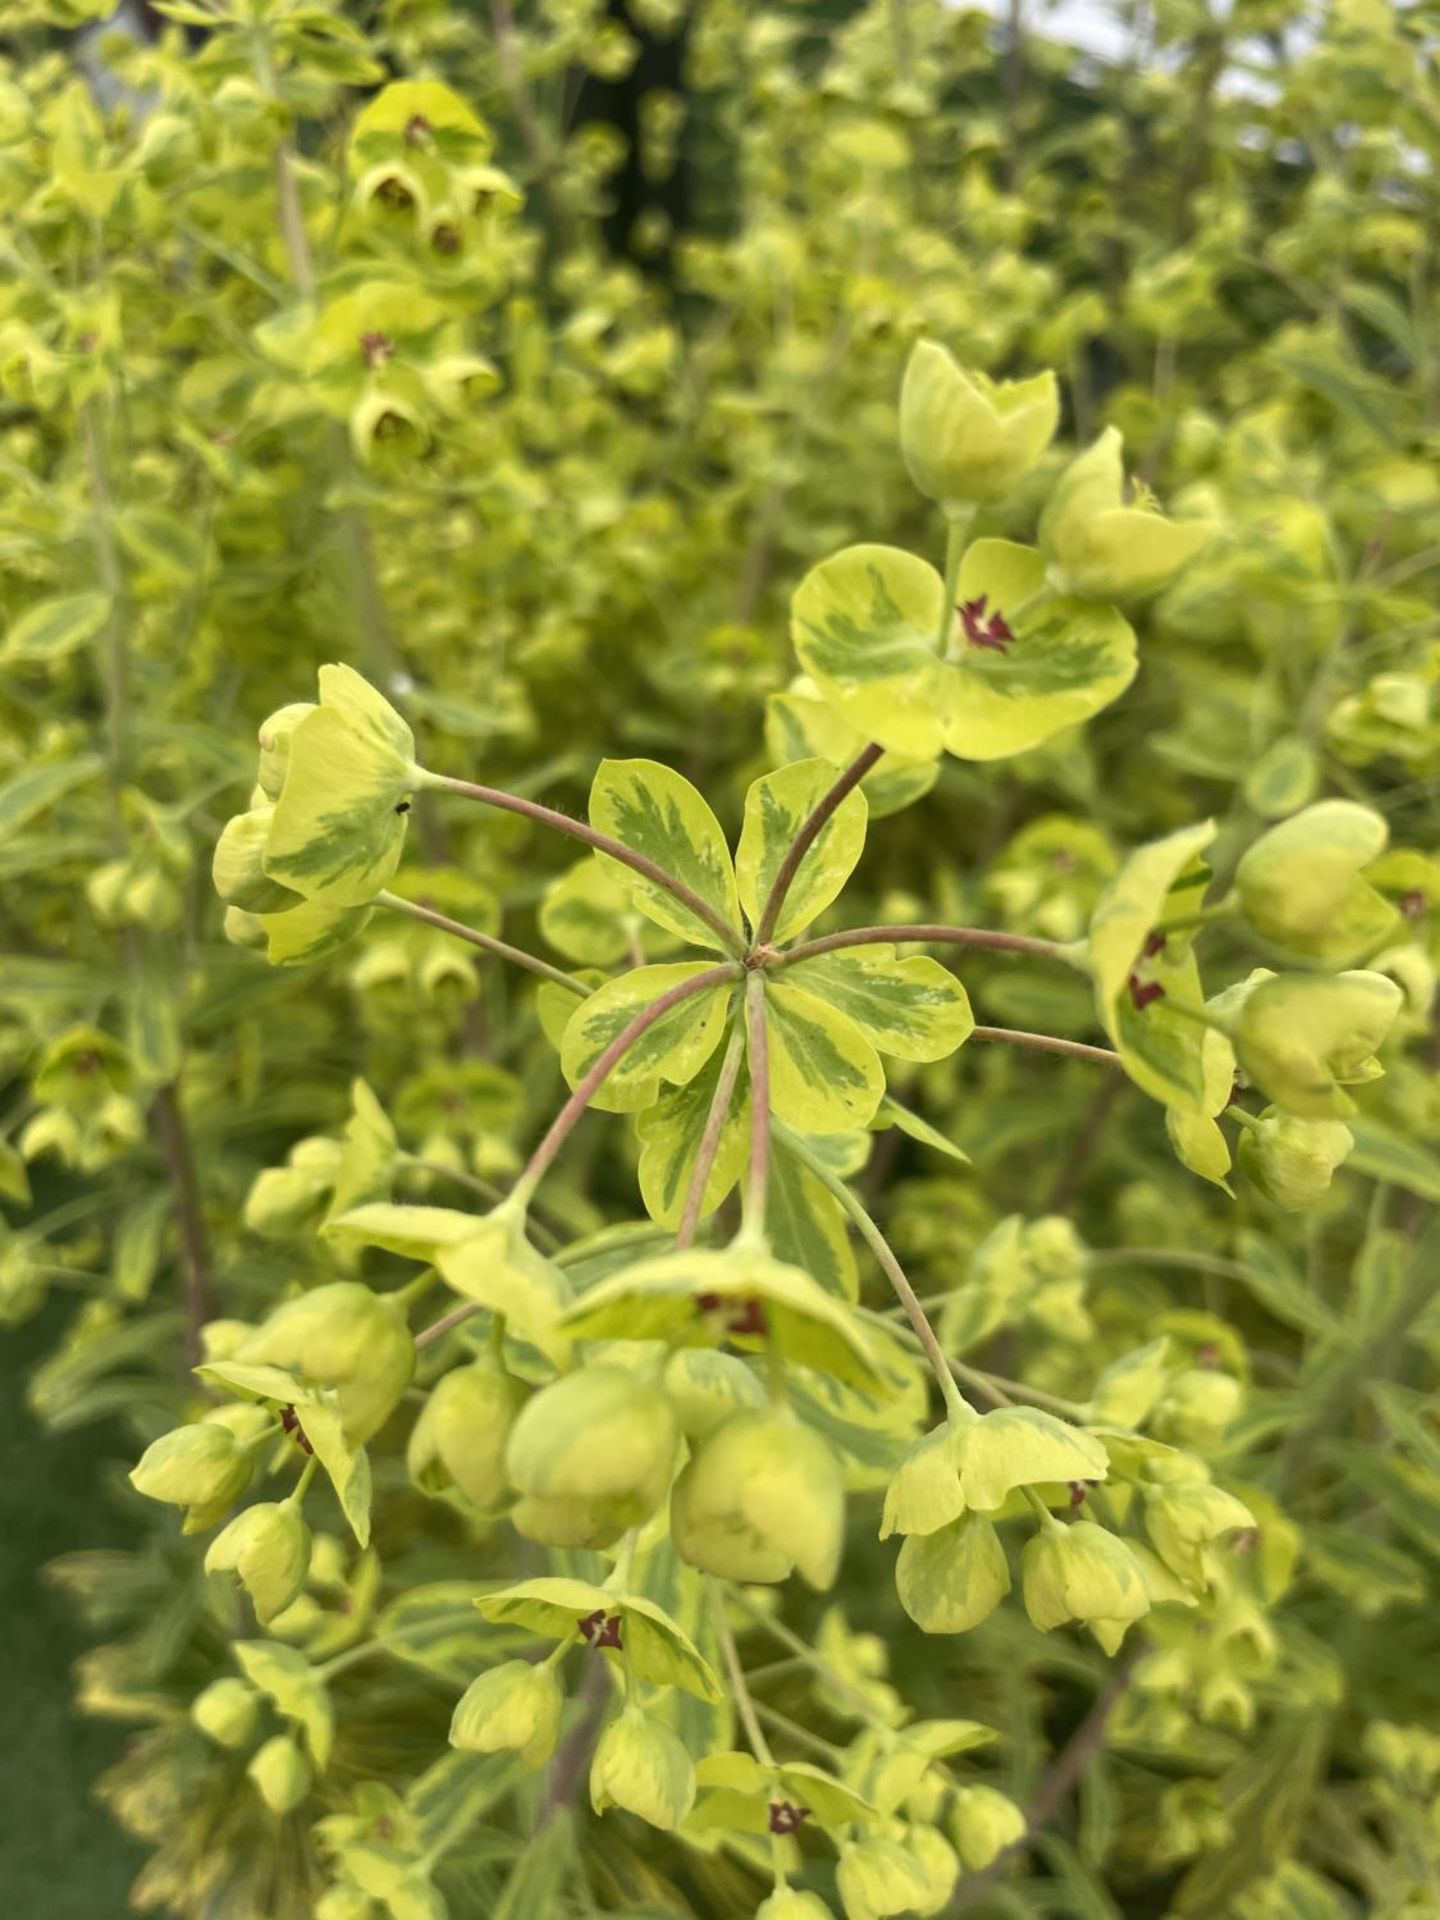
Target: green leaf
825	1076
33	789
801	725
414	1232
670	1131
1389	1156
496	1267
806	1225
1066	659
310	931
914	1008
776	807
675	1048
347	1467
588	916
890	1113
436	1627
56	628
655	811
865	625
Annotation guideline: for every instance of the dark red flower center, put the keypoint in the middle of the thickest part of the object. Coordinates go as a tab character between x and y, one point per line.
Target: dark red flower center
290	1421
416	128
1144	992
1413	903
741	1316
601	1629
786	1817
376	348
984	630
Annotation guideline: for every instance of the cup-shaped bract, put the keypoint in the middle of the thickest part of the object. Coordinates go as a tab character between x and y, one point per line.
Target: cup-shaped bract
268	1547
200	1466
1302	884
642	1766
968	439
341	1335
1304	1038
983	1823
227	1711
460	1437
1293	1160
590	1455
1082	1572
1097	547
512	1708
281	1774
763	1496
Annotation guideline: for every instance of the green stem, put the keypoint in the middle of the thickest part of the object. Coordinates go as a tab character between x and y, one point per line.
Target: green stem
730	1653
302	1485
351	1657
1048	1043
957	535
982	937
1226	909
486	942
1041	1511
810	830
714	1132
889	1265
602	842
564	1122
758	1053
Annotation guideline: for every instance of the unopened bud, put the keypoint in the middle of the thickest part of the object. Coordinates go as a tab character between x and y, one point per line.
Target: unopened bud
228	1711
268	1546
514	1708
592	1454
983	1823
763	1495
460	1438
281	1774
968	439
641	1766
197	1466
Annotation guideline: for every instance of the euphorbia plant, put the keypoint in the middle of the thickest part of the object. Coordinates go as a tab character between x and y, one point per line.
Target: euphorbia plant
684	1410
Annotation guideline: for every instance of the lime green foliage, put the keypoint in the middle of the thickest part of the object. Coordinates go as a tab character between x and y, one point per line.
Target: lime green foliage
545	1420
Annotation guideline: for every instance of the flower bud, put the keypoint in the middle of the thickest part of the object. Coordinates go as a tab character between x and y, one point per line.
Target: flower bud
197	1466
706	1387
1303	1039
513	1708
764	1495
268	1546
935	1857
343	1336
1099	548
240	879
227	1711
275	745
950	1580
967	439
1300	884
222	1340
593	1454
281	1774
1081	1572
1185	1520
789	1903
1291	1160
1197	1407
983	1823
641	1766
878	1877
459	1439
284	1199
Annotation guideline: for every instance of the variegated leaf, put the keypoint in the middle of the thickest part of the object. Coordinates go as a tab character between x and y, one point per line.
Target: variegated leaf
914	1008
656	811
776	807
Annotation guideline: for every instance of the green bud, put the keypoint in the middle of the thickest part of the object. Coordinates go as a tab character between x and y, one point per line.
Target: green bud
1127	1390
268	1546
275	745
222	1340
706	1387
951	1580
514	1708
239	878
593	1454
763	1496
1099	548
1291	1160
788	1903
935	1857
878	1877
1197	1407
968	439
228	1711
196	1466
284	1199
641	1766
281	1774
983	1823
459	1439
1185	1520
1303	1039
243	929
1300	884
343	1336
1081	1572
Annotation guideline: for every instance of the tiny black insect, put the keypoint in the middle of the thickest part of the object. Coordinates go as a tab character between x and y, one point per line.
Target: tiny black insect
403	806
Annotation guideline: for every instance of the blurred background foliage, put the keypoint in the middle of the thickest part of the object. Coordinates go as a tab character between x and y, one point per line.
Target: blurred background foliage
646	319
